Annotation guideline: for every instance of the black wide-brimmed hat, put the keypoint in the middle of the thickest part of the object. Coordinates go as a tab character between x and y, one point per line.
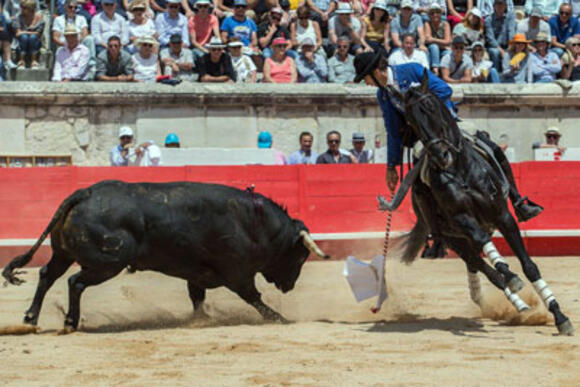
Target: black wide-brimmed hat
364	64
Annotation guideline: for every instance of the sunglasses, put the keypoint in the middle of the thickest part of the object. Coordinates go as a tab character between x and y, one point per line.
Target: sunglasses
114	45
459	47
173	6
303	17
477	49
342	46
203	6
146	44
565	13
235	47
280	46
72	7
575	44
277	18
215	49
109	5
334	141
126	137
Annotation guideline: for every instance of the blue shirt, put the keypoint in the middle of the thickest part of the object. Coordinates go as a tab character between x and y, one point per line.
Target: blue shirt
563	32
499	31
167	26
546	68
242	30
404	75
299	157
311	72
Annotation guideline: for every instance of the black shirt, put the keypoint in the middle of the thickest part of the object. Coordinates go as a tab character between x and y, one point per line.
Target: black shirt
223	67
328	158
281	32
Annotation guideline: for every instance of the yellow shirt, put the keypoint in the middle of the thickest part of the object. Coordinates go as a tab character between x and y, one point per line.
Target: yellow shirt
375	35
294	4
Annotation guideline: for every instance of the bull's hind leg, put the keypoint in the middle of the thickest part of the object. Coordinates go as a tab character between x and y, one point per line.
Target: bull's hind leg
197	296
508	227
250	294
48	274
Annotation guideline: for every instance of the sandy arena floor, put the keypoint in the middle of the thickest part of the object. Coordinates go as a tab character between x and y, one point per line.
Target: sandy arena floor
137	330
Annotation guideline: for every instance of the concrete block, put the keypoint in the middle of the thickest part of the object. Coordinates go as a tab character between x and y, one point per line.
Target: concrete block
12	129
230	127
188	123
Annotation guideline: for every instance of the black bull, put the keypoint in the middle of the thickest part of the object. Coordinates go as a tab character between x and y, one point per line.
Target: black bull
210	235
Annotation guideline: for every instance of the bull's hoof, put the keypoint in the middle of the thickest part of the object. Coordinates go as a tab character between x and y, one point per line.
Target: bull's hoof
67	330
566	328
515	284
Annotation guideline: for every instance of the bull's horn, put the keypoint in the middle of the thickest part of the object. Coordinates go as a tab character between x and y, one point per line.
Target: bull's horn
311	245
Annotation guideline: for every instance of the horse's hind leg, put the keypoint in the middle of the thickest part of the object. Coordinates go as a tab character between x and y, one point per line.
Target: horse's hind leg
48	274
509	228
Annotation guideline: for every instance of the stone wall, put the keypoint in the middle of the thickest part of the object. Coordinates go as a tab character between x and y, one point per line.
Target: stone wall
82	119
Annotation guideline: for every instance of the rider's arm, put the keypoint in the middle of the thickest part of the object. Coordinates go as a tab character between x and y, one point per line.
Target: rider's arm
392	123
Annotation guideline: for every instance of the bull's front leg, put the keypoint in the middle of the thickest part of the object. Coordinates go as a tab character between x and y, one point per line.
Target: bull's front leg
197	296
250	294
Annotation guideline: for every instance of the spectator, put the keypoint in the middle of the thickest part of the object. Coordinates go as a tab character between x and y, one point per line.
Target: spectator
176	60
548	7
108	23
243	66
115	64
217	65
145	61
125	154
483	70
457	67
343	23
28	27
140	25
72	59
6	40
362	156
422	7
409	54
311	67
202	27
341	65
333	154
241	26
305	155
472	27
71	16
321	10
575	7
553	139
265	142
571	60
487	7
407	23
303	28
517	66
271	29
119	154
376	28
562	27
280	68
500	28
533	24
172	22
457	11
545	65
147	11
437	36
226	8
172	141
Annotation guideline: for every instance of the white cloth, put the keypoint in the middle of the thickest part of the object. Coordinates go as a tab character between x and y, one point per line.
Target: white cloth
400	57
303	33
145	69
60	23
243	66
71	64
102	28
151	156
481	65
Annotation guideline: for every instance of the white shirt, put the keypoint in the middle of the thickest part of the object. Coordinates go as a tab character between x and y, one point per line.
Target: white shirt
400	57
60	23
243	67
146	29
71	64
102	28
151	156
145	69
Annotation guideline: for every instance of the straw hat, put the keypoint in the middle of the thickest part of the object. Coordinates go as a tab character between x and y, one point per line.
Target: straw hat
146	40
137	4
71	29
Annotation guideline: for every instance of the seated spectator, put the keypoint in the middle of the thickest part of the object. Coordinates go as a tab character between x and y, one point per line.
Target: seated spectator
217	65
562	27
202	27
147	11
140	25
6	40
545	65
517	65
571	60
114	64
407	23
119	154
549	8
311	67
457	11
345	24
333	155
241	26
486	7
170	23
305	155
362	156
280	68
409	54
483	70
421	7
172	141
500	28
303	28
176	60
376	28
553	139
471	29
437	37
265	142
341	65
534	24
321	11
72	59
71	16
457	67
108	23
243	66
271	29
145	61
28	27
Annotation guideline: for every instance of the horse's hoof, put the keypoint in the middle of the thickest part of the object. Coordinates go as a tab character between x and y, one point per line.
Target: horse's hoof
66	330
516	284
566	328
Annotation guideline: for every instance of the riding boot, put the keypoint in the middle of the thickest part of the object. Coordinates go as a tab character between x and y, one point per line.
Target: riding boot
525	209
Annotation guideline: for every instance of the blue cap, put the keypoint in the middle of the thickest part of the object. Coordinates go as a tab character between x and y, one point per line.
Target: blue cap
171	139
240	2
264	140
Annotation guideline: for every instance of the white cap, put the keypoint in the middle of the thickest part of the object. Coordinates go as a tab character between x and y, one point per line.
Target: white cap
343	8
406	4
125	131
476	12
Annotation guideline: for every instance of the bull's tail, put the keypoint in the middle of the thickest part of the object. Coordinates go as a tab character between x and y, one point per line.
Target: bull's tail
62	211
413	242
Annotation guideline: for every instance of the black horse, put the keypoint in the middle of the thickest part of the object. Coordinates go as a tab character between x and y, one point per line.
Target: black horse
459	196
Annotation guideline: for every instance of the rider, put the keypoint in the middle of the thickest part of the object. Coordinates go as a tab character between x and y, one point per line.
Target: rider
375	71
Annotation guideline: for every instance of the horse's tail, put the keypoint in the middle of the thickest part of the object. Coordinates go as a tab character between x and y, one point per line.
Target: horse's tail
413	241
62	211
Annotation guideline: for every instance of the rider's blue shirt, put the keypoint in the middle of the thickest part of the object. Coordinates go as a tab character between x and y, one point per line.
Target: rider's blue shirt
403	76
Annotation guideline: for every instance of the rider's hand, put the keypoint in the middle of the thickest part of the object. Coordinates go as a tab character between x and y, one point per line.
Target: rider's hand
392	178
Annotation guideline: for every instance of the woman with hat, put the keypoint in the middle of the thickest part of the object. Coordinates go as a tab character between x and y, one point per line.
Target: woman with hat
571	60
517	65
243	66
483	70
472	27
545	64
437	36
216	66
140	25
145	61
280	68
376	27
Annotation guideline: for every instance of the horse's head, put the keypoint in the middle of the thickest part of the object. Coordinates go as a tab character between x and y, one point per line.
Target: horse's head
431	122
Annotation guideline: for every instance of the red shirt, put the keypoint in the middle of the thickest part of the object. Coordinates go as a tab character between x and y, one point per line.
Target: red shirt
203	27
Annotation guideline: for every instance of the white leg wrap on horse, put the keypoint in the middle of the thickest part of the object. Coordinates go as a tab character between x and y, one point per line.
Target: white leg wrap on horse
544	291
474	287
516	301
491	252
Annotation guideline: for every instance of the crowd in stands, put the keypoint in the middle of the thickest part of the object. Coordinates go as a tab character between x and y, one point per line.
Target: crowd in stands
288	41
